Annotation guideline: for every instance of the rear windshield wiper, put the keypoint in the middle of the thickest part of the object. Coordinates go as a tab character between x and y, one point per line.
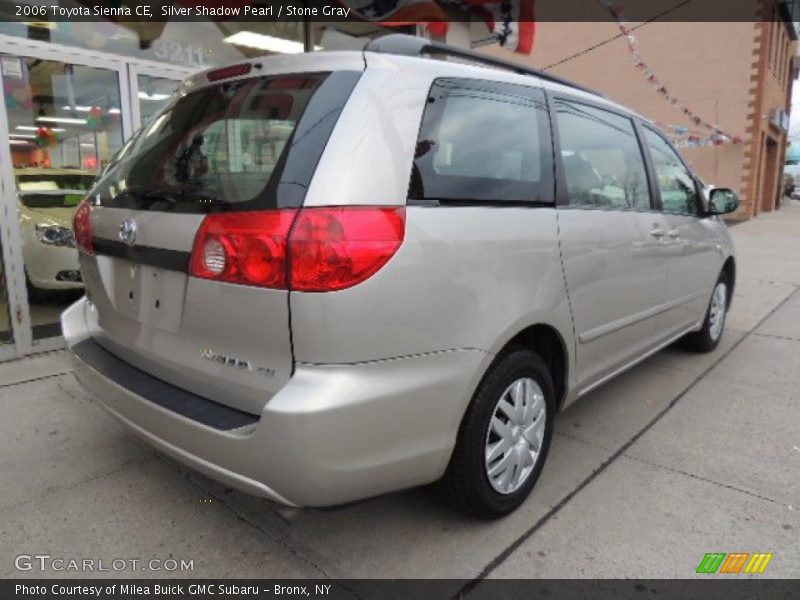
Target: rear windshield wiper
142	193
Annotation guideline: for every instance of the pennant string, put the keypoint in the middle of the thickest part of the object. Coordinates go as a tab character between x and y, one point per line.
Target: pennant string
685	136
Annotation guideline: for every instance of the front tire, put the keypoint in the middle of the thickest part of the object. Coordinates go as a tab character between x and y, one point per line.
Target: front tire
707	339
504	438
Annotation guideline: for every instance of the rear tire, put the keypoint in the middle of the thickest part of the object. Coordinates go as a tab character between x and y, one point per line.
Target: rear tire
707	339
504	438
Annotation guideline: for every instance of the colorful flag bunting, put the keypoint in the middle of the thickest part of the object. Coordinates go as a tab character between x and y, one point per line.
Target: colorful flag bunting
719	136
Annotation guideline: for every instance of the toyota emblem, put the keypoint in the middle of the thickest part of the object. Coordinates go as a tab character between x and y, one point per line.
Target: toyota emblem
127	231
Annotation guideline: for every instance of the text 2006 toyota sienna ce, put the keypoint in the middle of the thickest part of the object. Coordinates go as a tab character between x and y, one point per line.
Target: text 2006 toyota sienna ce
322	277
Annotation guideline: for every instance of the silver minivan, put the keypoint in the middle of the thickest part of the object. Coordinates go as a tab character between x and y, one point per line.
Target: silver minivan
323	277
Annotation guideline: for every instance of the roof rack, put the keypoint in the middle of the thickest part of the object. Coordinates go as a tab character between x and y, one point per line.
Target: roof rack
409	45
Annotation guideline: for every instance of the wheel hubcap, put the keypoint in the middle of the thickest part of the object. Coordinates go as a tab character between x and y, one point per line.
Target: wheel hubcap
716	314
515	435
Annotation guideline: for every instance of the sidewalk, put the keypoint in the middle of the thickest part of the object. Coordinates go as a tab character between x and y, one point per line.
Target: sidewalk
683	455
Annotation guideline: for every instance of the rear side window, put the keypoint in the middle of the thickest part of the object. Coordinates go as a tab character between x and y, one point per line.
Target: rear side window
602	160
230	146
485	142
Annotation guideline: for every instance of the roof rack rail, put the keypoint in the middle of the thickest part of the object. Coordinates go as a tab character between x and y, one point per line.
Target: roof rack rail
409	45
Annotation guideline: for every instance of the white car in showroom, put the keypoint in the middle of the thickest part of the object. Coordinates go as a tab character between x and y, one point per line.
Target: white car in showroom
46	203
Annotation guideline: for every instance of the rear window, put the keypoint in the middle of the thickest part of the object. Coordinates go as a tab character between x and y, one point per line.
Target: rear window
483	141
226	146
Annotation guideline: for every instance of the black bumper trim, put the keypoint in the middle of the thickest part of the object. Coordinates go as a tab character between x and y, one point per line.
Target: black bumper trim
185	403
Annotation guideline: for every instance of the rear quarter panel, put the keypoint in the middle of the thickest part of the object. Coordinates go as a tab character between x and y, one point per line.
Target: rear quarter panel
464	278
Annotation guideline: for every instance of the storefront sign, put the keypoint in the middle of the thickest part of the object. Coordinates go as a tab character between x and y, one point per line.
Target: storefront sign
179	54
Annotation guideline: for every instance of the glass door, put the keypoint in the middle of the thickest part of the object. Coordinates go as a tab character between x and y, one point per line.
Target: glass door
63	121
151	88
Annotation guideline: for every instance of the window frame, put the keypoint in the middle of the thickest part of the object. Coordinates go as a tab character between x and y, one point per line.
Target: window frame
562	199
546	135
644	125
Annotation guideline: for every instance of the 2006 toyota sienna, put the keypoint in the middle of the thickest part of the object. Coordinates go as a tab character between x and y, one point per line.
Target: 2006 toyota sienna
324	277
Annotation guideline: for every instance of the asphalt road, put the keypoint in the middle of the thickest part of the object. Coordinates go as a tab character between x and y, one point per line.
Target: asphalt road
683	455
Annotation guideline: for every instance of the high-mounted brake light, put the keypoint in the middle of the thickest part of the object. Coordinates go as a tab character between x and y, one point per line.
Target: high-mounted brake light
82	226
226	72
319	249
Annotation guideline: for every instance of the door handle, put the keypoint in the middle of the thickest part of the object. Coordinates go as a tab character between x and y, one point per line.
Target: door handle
674	234
657	233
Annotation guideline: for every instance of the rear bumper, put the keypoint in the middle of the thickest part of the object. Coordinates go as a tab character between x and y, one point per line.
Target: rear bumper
332	434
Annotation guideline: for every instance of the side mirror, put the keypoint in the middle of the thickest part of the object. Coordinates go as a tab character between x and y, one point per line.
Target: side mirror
722	201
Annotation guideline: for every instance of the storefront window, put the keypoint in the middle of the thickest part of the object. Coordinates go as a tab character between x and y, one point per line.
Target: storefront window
64	125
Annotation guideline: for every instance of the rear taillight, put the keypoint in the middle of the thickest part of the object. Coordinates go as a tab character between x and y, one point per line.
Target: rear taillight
247	248
337	248
82	226
314	249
